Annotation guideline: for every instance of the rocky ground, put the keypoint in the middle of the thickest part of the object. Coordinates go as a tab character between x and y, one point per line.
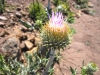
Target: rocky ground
15	38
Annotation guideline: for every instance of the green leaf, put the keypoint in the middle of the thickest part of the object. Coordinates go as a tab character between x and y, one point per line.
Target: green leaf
73	71
73	31
25	24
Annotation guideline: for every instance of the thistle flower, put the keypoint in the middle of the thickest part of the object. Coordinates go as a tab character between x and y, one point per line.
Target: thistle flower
55	34
89	69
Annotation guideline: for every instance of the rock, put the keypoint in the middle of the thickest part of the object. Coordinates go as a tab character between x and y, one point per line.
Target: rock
89	11
12	15
23	13
7	10
36	34
85	10
1	29
3	32
78	14
22	45
90	5
38	41
2	24
31	38
11	47
3	18
33	50
26	7
12	22
18	14
18	8
28	44
22	59
23	37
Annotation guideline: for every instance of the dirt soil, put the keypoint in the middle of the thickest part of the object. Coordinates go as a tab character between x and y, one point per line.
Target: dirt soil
84	46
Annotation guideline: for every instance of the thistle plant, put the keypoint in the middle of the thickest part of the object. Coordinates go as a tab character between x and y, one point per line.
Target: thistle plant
56	2
82	3
55	35
88	69
2	6
37	11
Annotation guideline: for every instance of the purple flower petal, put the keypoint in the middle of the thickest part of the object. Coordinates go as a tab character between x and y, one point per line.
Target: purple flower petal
56	19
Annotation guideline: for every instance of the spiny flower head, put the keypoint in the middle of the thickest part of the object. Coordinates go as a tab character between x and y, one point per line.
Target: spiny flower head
55	32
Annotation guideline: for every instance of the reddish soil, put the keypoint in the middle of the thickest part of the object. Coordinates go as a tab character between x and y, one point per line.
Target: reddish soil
84	46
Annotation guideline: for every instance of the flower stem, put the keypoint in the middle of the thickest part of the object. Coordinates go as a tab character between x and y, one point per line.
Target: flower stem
49	63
